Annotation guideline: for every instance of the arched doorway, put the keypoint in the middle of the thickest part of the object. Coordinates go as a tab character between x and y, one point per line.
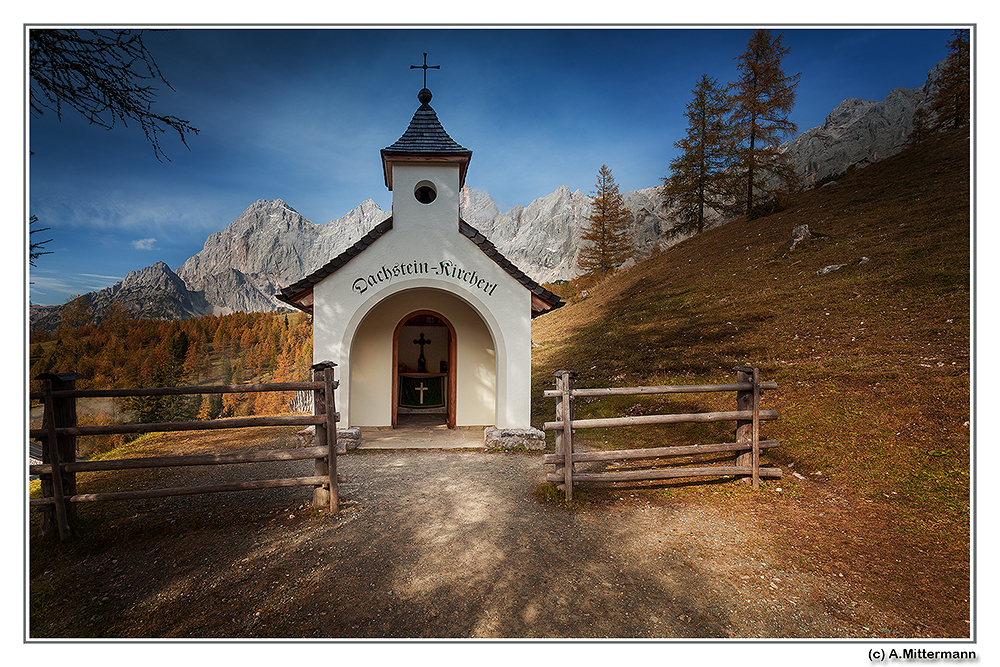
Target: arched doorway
476	365
424	363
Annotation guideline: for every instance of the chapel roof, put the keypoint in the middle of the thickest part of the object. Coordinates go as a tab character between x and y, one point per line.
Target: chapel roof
542	300
425	137
300	294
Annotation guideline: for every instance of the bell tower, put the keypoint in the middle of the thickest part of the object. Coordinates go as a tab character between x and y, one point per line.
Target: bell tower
425	169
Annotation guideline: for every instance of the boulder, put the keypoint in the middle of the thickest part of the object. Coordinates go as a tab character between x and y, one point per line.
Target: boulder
514	438
800	235
347	438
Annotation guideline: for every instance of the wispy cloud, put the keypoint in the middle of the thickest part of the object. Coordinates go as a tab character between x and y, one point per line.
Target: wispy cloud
52	287
144	244
150	209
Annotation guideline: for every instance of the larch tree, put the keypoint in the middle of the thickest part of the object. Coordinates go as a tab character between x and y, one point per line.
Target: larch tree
76	312
761	100
104	75
698	181
921	126
607	235
951	103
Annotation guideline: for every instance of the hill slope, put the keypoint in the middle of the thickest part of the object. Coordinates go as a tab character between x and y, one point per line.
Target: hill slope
872	362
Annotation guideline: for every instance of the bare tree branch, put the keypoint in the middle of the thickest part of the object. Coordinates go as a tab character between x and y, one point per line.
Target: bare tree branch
106	76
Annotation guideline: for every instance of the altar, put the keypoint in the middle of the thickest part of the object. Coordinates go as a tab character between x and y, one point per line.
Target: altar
422	392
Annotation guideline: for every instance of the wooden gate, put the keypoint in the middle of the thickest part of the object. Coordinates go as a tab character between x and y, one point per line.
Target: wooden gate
747	446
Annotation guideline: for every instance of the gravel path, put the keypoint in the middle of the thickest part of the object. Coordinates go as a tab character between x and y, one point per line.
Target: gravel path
459	547
454	544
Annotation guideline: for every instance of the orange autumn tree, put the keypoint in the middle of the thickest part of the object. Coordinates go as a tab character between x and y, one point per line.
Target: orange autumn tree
608	234
121	352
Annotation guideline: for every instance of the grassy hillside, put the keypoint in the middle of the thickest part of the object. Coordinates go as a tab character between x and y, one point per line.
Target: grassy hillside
872	361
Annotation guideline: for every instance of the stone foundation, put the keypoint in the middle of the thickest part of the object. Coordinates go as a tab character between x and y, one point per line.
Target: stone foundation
347	438
514	438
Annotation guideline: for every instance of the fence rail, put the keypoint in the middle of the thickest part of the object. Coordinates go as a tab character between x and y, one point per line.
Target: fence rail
748	445
58	437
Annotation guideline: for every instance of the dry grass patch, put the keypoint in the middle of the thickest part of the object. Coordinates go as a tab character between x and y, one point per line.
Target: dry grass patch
872	360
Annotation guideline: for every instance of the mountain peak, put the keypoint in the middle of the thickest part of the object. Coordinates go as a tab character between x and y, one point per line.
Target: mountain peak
268	204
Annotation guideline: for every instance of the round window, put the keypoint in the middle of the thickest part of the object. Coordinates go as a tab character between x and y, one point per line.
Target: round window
425	192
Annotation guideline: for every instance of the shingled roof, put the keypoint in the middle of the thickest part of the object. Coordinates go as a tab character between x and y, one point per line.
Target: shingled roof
300	294
425	138
542	300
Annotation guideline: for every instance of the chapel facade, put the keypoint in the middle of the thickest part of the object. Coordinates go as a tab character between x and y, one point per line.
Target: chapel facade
423	314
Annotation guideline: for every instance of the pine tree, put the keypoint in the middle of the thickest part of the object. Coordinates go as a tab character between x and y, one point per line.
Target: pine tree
761	100
698	179
608	234
951	102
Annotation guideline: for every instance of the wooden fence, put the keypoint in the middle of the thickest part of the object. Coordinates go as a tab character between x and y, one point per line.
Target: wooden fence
60	430
747	446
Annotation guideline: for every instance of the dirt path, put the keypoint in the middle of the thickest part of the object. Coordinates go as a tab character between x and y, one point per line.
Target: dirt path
454	544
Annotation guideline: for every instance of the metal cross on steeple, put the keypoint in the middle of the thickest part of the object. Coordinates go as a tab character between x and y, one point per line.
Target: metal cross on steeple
425	67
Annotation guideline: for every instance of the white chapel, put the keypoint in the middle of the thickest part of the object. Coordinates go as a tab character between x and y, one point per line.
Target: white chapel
423	314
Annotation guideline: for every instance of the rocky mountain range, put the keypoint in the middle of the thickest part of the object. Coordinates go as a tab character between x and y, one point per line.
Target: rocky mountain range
271	245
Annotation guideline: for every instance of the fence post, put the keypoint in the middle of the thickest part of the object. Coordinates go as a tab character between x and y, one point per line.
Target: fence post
566	384
323	404
331	437
559	418
59	413
756	427
748	430
744	428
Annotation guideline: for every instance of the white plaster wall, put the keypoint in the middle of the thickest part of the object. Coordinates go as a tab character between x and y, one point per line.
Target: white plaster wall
427	218
424	255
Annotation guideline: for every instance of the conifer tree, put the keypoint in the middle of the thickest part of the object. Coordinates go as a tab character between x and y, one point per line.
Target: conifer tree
761	100
607	235
76	312
698	179
951	102
921	127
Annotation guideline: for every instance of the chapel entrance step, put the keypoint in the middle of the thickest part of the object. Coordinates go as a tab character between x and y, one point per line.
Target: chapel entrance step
422	431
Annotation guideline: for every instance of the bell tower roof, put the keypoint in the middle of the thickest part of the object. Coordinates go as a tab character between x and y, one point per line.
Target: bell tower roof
425	140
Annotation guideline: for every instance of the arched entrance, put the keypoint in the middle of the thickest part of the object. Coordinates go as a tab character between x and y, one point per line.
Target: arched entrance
476	359
424	362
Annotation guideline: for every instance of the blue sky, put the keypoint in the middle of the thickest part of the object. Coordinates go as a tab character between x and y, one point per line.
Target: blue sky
301	114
